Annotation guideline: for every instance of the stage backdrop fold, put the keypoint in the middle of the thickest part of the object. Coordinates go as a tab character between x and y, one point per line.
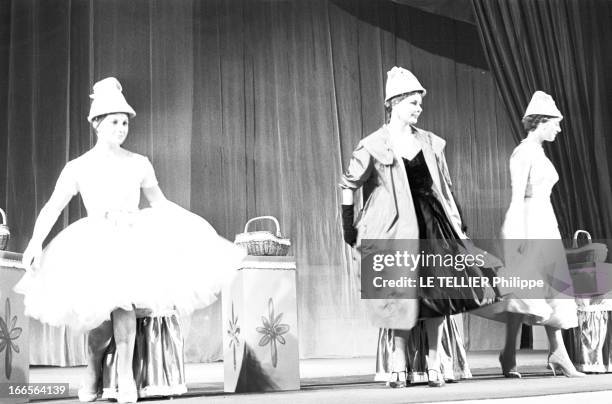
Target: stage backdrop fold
562	47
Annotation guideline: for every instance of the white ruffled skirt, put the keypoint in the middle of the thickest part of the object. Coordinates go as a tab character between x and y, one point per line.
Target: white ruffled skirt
153	258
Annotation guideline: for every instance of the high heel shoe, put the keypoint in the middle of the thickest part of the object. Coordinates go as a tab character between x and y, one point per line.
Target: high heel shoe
127	394
397	380
508	371
437	381
86	395
558	362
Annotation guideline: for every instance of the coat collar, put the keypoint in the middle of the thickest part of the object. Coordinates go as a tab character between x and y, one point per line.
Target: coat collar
379	146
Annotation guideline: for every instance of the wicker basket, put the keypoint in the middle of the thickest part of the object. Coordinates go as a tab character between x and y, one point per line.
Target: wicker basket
263	242
589	252
5	234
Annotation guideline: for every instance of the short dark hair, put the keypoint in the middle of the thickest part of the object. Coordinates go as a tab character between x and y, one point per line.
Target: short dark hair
530	122
99	118
95	121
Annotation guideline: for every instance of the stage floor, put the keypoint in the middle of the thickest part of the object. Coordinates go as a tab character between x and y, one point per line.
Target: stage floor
351	381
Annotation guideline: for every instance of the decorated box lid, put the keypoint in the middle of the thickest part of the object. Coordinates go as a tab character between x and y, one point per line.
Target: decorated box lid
10	260
268	262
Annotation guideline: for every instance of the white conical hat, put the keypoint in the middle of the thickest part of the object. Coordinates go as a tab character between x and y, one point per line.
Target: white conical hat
401	81
108	98
542	104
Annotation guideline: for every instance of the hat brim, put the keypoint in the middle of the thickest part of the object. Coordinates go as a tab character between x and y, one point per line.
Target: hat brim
131	114
423	93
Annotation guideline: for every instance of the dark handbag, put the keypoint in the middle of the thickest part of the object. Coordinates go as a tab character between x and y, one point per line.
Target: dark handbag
591	276
589	252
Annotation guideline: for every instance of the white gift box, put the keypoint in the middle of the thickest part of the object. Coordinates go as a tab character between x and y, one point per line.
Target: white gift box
14	355
260	327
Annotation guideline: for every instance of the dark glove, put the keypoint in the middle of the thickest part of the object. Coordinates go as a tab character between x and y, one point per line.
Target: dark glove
349	231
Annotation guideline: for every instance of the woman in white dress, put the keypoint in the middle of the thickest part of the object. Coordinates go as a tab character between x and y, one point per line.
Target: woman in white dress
97	270
529	222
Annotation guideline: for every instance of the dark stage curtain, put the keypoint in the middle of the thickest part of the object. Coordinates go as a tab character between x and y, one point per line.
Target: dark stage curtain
457	9
562	47
246	108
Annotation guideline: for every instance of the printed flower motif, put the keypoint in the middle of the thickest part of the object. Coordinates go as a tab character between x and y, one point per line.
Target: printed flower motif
272	331
233	332
7	336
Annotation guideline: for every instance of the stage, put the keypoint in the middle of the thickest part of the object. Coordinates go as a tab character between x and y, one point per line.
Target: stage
351	381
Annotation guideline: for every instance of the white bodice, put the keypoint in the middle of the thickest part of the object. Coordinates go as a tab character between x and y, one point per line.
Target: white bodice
541	174
531	214
107	184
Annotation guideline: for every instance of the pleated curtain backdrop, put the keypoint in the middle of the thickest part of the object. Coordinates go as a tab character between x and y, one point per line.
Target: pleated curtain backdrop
563	48
247	108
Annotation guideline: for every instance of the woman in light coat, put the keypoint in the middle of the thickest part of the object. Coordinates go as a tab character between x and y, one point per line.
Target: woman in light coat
412	199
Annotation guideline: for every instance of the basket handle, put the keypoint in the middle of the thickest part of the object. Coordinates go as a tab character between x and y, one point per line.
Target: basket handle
3	216
578	232
278	233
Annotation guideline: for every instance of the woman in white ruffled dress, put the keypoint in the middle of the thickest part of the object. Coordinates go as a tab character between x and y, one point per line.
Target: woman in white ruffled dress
529	227
97	270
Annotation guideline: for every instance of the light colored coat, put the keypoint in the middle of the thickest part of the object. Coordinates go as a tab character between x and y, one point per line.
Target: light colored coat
389	211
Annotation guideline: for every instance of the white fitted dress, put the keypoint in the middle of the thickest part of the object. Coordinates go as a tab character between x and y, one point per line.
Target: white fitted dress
533	218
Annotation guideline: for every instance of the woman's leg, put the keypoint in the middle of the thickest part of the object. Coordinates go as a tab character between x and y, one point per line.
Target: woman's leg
555	341
507	358
558	357
434	326
399	376
97	342
124	330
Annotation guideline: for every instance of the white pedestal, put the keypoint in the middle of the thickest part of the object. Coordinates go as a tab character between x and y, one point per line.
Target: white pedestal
260	327
14	357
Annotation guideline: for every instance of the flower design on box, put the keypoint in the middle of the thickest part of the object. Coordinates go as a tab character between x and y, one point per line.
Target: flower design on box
233	332
8	334
272	331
